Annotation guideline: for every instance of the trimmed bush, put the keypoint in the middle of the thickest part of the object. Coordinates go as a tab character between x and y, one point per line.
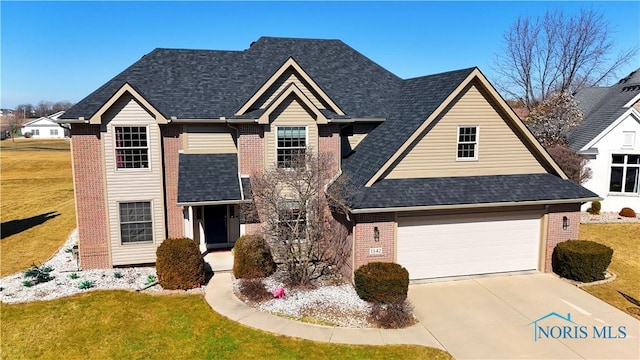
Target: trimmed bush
179	264
252	258
581	260
595	208
381	282
627	212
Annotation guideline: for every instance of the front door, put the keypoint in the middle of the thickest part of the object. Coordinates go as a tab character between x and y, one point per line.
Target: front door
215	225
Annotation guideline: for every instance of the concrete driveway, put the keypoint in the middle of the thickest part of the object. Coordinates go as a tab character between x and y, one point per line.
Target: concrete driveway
492	318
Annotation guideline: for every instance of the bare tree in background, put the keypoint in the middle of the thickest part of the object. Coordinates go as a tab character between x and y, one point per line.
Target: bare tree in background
296	217
557	53
551	121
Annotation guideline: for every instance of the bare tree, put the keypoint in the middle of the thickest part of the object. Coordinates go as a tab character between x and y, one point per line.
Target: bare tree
296	217
552	119
60	106
572	163
550	122
557	53
44	108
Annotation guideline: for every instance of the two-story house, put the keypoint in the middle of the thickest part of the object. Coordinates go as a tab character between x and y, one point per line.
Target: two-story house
446	179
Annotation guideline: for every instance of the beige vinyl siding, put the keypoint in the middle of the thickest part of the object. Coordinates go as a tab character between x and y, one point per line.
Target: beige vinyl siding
287	78
131	185
209	139
289	113
500	151
360	131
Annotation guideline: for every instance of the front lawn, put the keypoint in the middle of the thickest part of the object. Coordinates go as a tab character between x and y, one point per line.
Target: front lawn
625	241
129	325
37	209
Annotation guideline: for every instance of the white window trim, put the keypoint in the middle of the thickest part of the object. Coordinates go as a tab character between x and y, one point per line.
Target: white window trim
115	148
624	174
477	143
275	142
153	228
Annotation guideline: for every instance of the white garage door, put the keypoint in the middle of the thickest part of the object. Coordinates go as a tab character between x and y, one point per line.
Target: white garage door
441	246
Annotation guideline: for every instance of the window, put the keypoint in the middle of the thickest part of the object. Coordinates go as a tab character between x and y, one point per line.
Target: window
35	132
53	132
467	143
291	144
135	222
625	173
131	147
629	139
292	220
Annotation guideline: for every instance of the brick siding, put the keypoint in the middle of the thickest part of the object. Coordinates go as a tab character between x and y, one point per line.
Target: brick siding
251	148
363	238
89	187
329	145
555	233
171	145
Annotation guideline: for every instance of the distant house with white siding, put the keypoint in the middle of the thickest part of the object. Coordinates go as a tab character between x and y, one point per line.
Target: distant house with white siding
45	127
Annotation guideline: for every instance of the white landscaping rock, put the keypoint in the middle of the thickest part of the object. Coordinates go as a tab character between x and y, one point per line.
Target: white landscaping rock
331	305
63	264
607	218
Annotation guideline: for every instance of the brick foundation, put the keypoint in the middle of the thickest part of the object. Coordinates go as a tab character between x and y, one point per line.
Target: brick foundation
555	233
171	144
89	187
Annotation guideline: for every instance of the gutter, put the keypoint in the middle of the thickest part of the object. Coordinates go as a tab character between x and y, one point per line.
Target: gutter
472	206
216	202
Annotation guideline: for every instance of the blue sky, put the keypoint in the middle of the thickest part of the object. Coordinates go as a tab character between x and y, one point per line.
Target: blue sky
62	51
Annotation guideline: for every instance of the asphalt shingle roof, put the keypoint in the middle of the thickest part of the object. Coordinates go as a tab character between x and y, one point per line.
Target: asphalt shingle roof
208	84
205	84
601	107
208	177
415	101
468	190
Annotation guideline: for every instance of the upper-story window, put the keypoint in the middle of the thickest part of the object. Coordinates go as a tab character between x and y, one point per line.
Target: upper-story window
290	145
625	173
467	143
132	149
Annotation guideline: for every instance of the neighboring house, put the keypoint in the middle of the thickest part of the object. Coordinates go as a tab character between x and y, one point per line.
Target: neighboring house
45	127
444	178
609	136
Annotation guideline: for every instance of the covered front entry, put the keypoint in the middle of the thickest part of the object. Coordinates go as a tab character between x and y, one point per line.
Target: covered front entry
214	226
468	244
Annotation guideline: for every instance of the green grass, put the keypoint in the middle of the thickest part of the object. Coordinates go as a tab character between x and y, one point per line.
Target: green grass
36	179
128	325
625	241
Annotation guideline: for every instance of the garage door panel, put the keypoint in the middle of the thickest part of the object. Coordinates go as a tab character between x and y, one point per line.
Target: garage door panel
431	247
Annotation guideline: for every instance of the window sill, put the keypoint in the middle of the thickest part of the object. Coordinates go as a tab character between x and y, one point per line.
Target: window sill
133	243
623	194
466	160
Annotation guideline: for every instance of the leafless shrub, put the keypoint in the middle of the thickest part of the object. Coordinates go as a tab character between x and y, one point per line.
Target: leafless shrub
395	315
254	290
